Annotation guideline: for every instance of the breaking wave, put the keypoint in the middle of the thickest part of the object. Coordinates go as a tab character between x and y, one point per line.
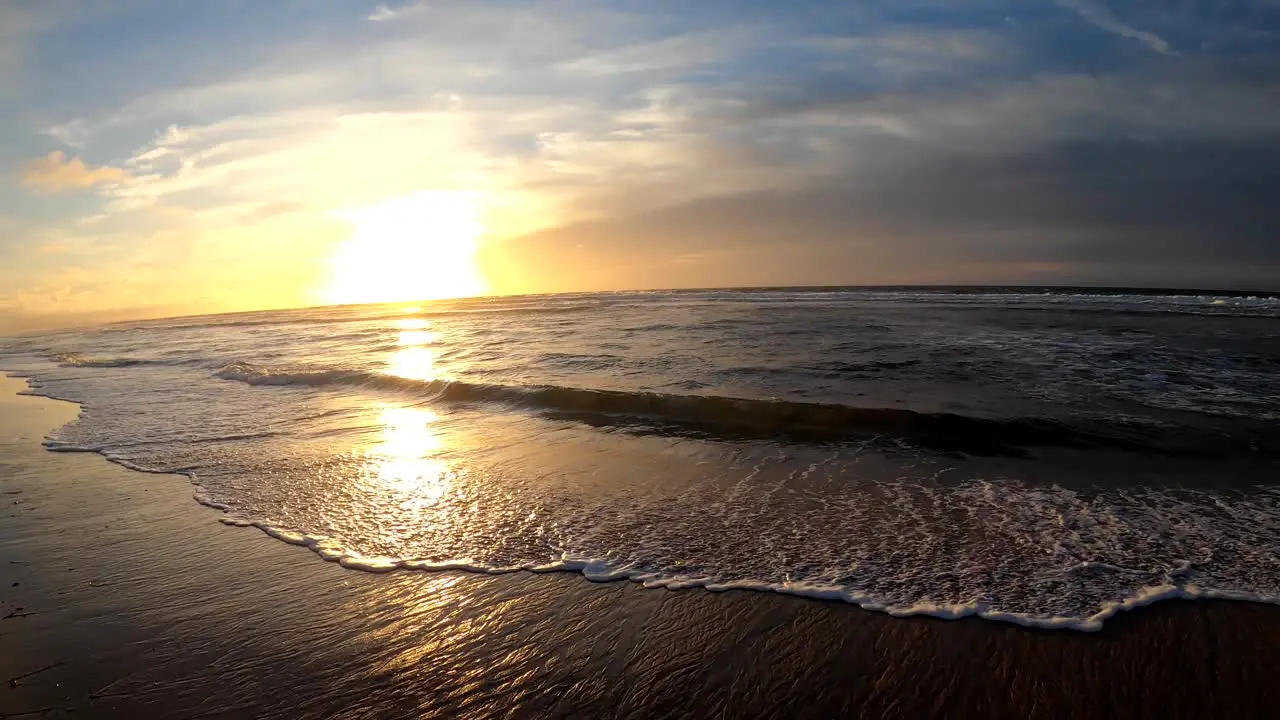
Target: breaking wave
731	418
78	360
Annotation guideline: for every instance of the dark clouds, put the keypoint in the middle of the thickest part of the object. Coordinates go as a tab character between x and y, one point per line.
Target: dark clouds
1107	211
936	154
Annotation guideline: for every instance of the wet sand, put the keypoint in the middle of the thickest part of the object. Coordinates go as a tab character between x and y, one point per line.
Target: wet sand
121	597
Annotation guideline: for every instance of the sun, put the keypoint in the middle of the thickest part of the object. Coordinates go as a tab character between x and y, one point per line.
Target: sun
415	247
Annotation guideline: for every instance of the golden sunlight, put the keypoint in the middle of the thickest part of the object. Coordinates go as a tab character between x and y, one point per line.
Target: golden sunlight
413	357
416	247
406	463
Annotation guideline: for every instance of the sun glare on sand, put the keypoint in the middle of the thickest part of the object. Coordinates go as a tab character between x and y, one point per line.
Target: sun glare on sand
416	247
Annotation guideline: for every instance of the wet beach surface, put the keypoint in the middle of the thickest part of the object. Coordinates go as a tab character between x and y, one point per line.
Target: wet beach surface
123	598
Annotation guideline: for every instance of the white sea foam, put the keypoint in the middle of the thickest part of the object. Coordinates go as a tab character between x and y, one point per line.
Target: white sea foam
600	570
604	570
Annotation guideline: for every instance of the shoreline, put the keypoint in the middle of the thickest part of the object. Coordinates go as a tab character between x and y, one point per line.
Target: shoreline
588	569
135	602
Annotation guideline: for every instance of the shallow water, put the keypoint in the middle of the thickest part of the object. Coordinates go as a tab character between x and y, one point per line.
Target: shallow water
1043	458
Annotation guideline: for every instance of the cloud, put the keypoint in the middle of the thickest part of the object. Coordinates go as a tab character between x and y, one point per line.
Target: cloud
559	141
1101	16
682	52
75	133
546	123
619	145
56	173
910	53
1063	212
1015	115
382	12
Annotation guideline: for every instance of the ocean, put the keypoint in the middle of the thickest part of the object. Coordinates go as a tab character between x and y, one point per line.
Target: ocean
1047	457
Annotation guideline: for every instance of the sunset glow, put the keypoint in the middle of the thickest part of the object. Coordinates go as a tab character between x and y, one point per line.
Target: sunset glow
235	156
416	247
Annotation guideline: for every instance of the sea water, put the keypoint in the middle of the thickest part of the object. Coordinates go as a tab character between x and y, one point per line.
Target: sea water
1047	457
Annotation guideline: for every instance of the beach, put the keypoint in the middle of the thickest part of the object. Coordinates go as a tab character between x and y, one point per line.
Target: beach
604	359
122	597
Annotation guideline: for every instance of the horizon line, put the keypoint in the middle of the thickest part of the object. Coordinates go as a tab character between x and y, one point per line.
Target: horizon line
935	287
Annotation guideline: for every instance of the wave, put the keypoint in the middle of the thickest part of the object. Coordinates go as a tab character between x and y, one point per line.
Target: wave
732	418
604	570
79	360
1214	310
602	567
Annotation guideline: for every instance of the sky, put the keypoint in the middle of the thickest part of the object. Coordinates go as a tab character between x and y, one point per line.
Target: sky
187	156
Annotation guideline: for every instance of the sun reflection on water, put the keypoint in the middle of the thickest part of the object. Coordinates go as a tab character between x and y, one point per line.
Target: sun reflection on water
416	338
406	461
414	358
413	324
